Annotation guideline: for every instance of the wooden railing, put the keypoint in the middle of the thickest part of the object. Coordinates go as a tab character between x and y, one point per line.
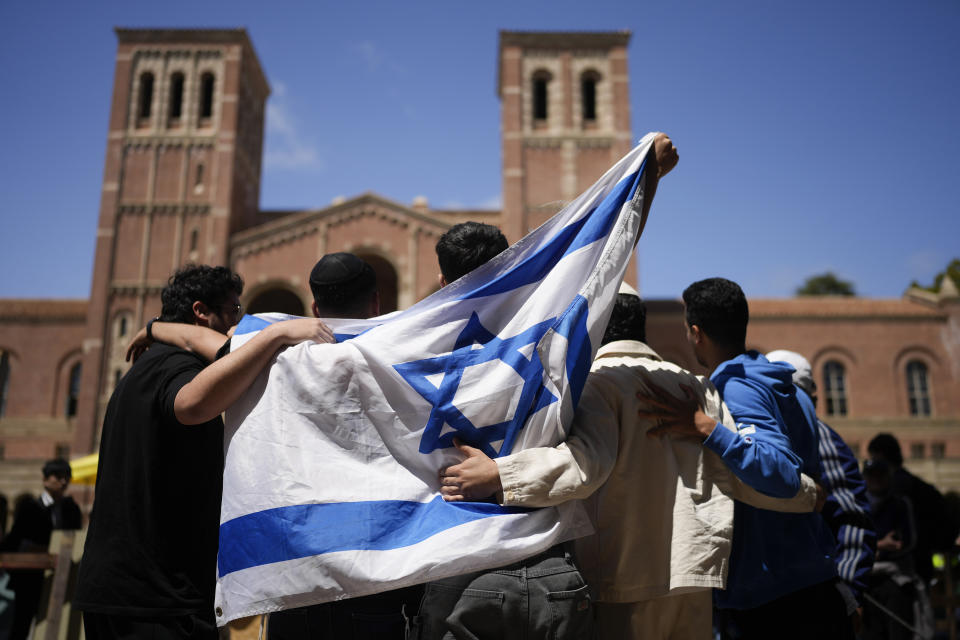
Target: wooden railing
56	620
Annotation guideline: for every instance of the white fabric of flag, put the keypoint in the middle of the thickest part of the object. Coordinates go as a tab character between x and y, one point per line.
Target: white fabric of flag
331	485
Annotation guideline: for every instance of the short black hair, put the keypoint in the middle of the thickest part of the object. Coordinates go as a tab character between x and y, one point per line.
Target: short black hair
628	321
57	467
190	283
343	285
466	246
719	308
888	447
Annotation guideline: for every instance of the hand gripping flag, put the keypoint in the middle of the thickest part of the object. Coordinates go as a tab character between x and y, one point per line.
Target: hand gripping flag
331	485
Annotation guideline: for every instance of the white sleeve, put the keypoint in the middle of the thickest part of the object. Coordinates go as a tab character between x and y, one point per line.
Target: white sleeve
574	469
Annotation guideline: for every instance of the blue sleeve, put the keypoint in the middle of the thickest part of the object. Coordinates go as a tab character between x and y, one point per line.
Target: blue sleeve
847	510
759	453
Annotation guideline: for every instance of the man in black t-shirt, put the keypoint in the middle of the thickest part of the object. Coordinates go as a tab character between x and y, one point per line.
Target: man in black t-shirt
343	286
149	563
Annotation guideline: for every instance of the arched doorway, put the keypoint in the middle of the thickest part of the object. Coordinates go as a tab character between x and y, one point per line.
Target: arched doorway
276	300
386	280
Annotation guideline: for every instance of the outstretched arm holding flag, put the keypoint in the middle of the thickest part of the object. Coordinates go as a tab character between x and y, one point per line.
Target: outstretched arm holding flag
661	162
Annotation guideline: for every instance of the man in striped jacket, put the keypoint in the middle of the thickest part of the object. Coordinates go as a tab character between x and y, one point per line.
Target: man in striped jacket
847	510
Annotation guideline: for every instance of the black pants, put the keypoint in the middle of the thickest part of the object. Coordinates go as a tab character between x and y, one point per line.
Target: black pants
27	587
376	617
815	613
880	625
101	626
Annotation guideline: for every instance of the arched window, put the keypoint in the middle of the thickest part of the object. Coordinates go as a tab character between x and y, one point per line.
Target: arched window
198	178
73	390
918	393
4	379
835	388
176	97
206	95
146	95
540	96
279	300
121	325
588	96
194	235
386	281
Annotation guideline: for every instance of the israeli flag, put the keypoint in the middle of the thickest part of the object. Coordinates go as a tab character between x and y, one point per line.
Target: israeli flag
331	485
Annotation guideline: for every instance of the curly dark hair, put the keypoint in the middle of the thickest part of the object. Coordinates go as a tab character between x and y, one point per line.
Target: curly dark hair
628	321
193	282
466	246
719	308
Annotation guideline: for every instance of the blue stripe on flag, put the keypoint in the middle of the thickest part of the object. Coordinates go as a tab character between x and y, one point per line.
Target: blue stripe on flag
300	531
591	227
251	324
573	326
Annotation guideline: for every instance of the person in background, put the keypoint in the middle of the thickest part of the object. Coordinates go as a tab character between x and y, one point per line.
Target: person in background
935	531
894	592
33	523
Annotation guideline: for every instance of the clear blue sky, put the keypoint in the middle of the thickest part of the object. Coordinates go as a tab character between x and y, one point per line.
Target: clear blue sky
813	135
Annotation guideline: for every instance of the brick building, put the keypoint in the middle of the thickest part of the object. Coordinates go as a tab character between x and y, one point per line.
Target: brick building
181	184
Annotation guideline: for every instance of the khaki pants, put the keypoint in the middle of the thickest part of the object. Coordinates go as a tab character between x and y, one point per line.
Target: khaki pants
687	616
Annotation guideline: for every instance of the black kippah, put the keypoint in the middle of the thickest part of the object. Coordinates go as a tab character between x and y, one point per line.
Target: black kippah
336	269
339	280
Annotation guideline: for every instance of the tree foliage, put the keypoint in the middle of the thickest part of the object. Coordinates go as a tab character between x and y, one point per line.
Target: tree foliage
826	284
952	271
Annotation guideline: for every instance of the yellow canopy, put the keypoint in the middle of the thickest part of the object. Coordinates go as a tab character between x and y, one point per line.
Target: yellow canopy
84	470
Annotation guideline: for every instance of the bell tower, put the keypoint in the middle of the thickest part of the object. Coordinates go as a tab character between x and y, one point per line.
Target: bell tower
182	173
565	119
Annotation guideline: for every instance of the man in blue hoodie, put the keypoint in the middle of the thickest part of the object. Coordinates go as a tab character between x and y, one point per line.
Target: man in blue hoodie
781	566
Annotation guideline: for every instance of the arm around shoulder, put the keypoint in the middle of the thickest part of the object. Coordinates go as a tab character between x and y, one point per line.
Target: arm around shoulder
757	451
224	381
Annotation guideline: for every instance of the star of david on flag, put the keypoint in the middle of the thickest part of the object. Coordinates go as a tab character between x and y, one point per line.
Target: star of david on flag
479	354
331	486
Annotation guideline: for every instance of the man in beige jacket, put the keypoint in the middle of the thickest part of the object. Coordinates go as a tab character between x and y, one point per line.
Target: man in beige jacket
662	507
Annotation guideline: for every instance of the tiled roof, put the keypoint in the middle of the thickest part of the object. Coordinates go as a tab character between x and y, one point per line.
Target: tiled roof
840	307
29	309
